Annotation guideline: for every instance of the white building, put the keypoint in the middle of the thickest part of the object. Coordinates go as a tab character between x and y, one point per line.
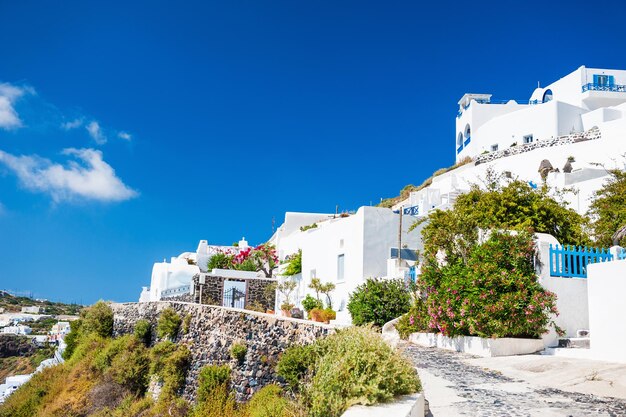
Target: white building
59	330
32	310
581	117
174	277
345	250
17	329
578	102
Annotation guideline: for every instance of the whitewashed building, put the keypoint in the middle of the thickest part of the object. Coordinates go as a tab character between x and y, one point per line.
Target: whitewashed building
345	250
174	278
577	123
18	329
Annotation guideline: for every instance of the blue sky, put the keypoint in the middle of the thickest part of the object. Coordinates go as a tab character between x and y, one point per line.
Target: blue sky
131	130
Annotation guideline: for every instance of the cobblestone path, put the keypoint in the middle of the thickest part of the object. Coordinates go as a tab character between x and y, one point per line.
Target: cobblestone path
455	388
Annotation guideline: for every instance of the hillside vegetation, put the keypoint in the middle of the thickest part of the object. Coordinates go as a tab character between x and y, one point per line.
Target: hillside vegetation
408	189
137	375
13	304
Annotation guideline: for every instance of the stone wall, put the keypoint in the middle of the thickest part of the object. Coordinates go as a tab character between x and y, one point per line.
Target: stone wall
591	134
214	329
212	291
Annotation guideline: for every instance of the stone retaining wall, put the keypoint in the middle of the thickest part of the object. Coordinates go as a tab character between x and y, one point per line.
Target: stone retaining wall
214	329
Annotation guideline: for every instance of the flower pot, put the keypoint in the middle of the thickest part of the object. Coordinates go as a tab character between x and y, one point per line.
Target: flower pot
286	313
269	311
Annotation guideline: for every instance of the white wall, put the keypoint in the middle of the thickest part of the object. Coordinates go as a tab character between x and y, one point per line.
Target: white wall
364	238
571	294
607	310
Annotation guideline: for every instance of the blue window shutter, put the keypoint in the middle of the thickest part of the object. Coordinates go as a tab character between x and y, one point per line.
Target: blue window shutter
611	80
595	79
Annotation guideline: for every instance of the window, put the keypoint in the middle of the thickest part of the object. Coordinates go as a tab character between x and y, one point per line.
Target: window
313	273
340	268
340	243
603	80
494	148
528	139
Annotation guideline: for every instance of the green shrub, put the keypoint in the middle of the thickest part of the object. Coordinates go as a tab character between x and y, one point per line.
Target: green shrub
186	323
168	324
170	363
309	303
416	320
378	301
72	338
210	378
220	260
329	314
294	363
294	266
143	331
126	361
356	366
268	402
238	351
99	320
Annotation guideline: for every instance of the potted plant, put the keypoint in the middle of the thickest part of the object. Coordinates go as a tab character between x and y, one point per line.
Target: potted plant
286	308
317	314
286	288
309	303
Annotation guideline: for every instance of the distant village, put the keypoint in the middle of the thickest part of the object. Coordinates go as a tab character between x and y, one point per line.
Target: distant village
35	328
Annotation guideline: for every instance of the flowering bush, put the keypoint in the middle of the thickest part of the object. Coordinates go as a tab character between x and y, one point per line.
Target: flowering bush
494	294
261	258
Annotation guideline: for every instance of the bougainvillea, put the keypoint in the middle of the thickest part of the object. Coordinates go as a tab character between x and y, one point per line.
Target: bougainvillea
262	258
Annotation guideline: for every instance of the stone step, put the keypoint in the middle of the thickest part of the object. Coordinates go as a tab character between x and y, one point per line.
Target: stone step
575	342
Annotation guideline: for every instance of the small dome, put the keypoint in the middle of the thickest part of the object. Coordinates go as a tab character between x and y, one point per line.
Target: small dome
537	95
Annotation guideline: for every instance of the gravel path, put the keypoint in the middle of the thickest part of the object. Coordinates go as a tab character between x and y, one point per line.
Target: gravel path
455	388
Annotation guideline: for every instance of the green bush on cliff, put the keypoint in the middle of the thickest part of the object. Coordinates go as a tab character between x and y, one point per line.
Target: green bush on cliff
352	366
99	320
168	324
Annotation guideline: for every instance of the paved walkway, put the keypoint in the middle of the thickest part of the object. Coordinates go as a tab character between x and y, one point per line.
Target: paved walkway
454	387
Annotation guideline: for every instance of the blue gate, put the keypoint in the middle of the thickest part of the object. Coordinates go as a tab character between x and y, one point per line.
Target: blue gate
571	261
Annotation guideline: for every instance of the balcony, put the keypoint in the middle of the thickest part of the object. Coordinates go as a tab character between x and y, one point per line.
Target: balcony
615	88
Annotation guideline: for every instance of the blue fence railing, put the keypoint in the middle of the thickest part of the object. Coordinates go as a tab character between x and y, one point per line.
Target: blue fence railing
467	141
459	149
616	88
622	254
572	261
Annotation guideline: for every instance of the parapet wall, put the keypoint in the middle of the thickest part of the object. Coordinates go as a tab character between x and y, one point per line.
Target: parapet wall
213	330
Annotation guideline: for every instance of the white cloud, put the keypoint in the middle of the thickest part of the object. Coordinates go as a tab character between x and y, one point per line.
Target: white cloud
96	133
124	135
86	176
9	94
72	124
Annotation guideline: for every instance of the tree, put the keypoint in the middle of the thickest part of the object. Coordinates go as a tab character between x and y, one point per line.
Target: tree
514	206
608	209
326	289
265	259
286	288
316	285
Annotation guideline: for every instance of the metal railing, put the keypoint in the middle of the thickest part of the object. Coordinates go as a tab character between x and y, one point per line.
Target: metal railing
571	261
621	255
615	88
234	298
